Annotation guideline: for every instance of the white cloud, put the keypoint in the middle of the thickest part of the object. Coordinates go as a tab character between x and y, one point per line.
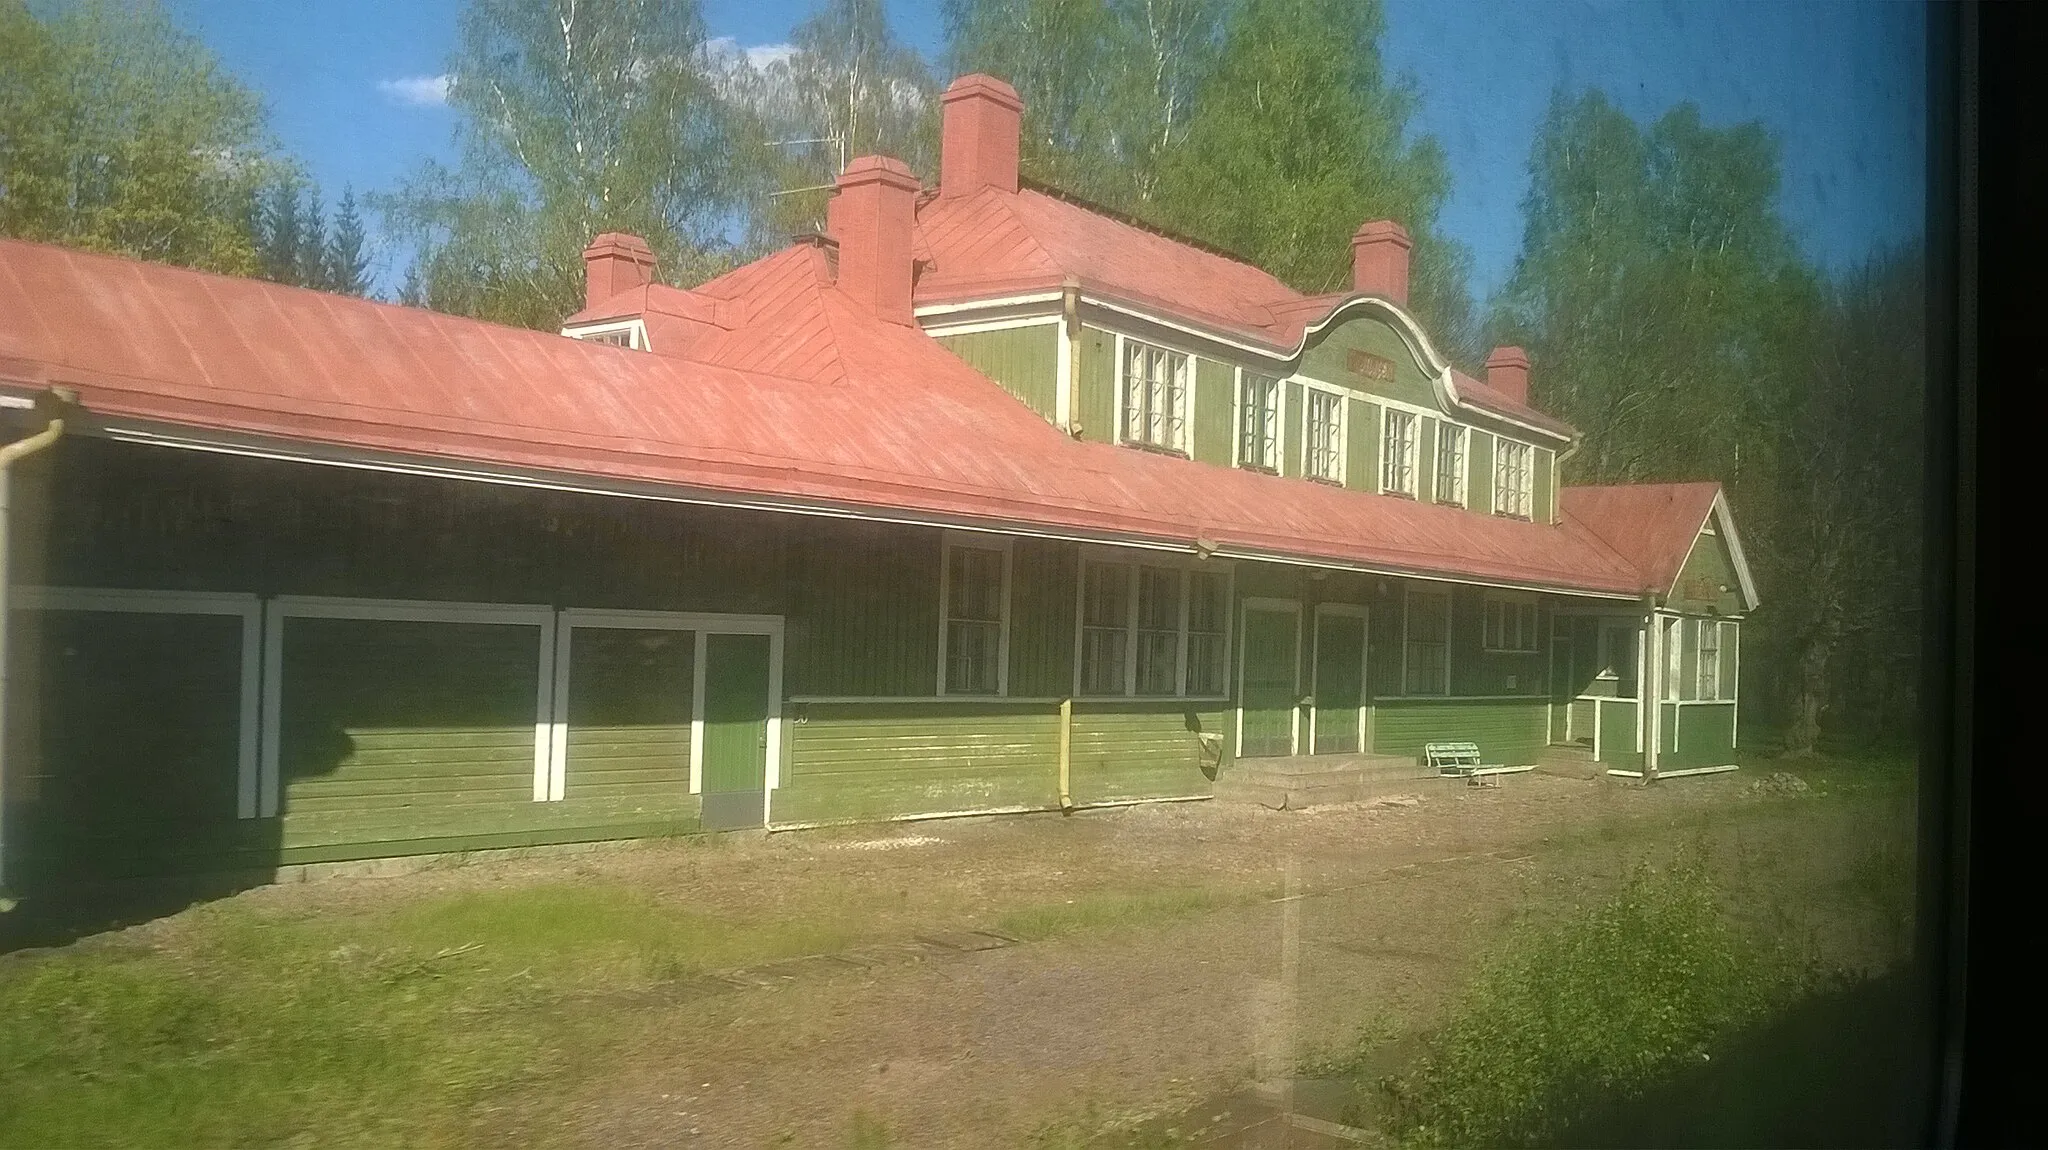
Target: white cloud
417	91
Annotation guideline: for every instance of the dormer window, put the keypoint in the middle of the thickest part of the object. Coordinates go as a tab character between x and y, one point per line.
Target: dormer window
628	334
1155	397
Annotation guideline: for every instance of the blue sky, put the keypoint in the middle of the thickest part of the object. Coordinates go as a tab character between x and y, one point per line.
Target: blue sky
1841	83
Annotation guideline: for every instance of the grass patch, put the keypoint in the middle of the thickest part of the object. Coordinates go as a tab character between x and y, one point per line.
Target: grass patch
1574	1014
1111	911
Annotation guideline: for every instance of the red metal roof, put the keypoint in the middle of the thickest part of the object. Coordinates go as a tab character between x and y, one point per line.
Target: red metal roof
807	401
1651	525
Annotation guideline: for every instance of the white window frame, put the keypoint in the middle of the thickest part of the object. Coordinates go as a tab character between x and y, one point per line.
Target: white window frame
1460	435
1522	612
1407	625
1186	361
1278	422
1131	562
957	541
1410	457
1504	493
1338	400
1674	664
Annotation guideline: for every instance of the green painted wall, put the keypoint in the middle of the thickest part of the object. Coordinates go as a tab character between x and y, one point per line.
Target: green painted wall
1477	671
1293	416
1328	359
1363	451
852	762
1024	360
864	611
1618	736
1095	391
1511	733
1479	472
1042	575
122	742
394	730
1705	735
1543	504
1144	750
1709	568
1215	400
629	717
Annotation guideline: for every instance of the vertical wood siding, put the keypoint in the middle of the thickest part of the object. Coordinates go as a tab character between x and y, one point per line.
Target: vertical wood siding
865	611
1479	475
1294	417
1544	506
1425	460
1023	360
1363	451
1042	575
1095	391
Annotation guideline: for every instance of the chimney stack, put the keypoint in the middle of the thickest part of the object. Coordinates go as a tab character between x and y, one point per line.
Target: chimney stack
872	216
1379	260
978	136
615	262
1507	372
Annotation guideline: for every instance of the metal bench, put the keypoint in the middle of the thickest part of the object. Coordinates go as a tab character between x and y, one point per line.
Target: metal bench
1461	760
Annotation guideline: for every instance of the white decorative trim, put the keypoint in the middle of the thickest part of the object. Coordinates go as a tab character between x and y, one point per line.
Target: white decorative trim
636	326
249	698
932	309
977	327
697	661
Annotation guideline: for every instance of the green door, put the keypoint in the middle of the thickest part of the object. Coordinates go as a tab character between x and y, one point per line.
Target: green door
735	731
1271	684
1339	682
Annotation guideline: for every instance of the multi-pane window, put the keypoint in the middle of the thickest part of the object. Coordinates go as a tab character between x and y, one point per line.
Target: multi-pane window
1708	645
974	620
1158	631
1208	625
1427	644
1149	630
1258	422
1155	396
1450	463
1510	625
1105	627
1397	454
1325	436
1513	476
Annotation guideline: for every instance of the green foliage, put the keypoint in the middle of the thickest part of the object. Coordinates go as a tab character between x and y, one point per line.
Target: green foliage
577	117
847	79
1266	127
119	133
1595	1008
347	263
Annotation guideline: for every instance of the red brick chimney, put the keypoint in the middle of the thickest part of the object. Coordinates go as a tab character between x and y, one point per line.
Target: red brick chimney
978	136
615	262
1507	372
871	216
1379	260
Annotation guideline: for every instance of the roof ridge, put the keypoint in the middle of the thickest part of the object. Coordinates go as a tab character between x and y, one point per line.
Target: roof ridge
1133	221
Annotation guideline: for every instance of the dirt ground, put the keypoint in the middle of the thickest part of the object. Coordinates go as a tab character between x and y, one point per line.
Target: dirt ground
1052	1029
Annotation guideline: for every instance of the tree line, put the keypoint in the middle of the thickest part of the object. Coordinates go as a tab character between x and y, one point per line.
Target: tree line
1664	301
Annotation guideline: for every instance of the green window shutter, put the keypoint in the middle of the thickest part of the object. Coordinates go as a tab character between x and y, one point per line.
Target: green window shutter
1294	415
1425	460
1095	401
1363	462
1543	503
1479	481
1215	401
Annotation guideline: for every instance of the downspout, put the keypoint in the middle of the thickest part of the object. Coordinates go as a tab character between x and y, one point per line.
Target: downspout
1066	754
9	455
1069	383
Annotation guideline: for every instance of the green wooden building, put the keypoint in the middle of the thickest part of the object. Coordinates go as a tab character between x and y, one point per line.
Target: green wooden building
986	500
